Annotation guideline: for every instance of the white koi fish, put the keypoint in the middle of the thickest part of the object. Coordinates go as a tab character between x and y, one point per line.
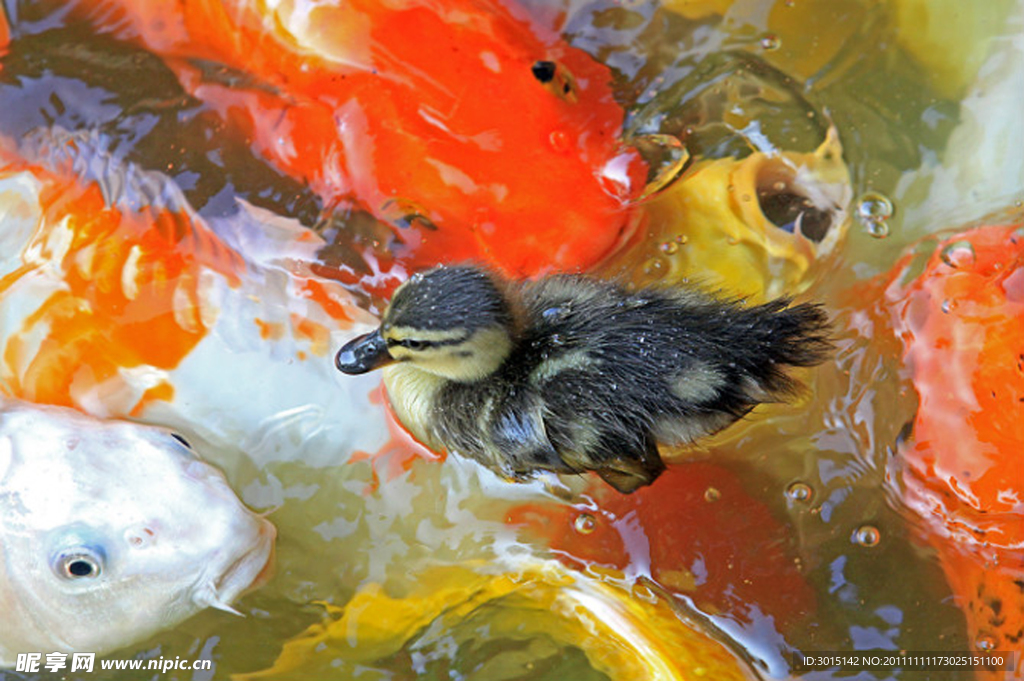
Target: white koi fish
111	531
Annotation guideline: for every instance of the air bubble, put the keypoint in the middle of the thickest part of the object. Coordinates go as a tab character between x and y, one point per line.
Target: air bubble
711	494
799	492
867	535
873	211
985	642
655	267
958	254
877	228
874	206
669	248
771	42
584	523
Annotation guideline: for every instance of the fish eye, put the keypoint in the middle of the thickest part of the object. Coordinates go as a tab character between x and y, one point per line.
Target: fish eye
184	443
79	563
544	71
556	78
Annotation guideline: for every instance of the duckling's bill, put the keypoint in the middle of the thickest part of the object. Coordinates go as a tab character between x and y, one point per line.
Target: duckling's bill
363	354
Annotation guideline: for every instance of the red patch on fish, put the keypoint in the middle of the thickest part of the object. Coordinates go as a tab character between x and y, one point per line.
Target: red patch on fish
695	531
399	454
429	116
962	325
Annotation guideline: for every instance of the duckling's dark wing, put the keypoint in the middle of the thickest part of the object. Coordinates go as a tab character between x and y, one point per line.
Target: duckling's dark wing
518	432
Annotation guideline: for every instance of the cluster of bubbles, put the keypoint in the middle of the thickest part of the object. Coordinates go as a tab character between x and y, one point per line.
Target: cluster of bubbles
873	213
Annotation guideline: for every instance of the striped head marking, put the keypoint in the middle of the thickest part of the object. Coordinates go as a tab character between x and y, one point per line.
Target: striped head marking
454	322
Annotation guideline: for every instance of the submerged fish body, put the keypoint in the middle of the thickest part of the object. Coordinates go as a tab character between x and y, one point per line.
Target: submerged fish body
118	299
961	321
111	531
424	114
535	605
745	580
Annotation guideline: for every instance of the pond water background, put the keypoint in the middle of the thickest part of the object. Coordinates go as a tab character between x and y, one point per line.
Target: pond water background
940	139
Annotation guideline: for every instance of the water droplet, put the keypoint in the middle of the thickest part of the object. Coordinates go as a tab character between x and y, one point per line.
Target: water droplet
770	41
985	642
711	494
958	254
584	523
666	156
867	535
669	247
799	492
555	312
559	141
948	305
655	267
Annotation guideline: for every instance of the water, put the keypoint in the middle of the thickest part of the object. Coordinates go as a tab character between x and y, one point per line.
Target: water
929	145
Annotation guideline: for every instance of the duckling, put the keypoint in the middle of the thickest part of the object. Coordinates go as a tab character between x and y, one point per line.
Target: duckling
570	373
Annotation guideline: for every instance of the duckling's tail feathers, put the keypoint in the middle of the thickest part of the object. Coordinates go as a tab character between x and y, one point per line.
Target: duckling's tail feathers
779	335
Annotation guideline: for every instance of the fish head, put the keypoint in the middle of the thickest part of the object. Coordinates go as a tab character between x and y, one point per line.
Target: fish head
112	531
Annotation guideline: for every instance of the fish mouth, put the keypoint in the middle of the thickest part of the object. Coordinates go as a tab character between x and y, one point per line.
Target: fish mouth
250	571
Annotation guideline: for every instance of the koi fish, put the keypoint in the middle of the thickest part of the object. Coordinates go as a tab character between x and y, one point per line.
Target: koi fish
754	227
118	299
464	143
961	322
111	531
742	579
622	636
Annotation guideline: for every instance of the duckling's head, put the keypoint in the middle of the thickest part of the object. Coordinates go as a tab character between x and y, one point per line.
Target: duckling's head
453	322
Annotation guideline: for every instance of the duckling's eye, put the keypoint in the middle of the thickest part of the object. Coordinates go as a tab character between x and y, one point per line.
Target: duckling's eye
412	343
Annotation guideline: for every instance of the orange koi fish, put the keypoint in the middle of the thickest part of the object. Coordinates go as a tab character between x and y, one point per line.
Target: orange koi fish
672	533
120	300
470	130
5	34
961	322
